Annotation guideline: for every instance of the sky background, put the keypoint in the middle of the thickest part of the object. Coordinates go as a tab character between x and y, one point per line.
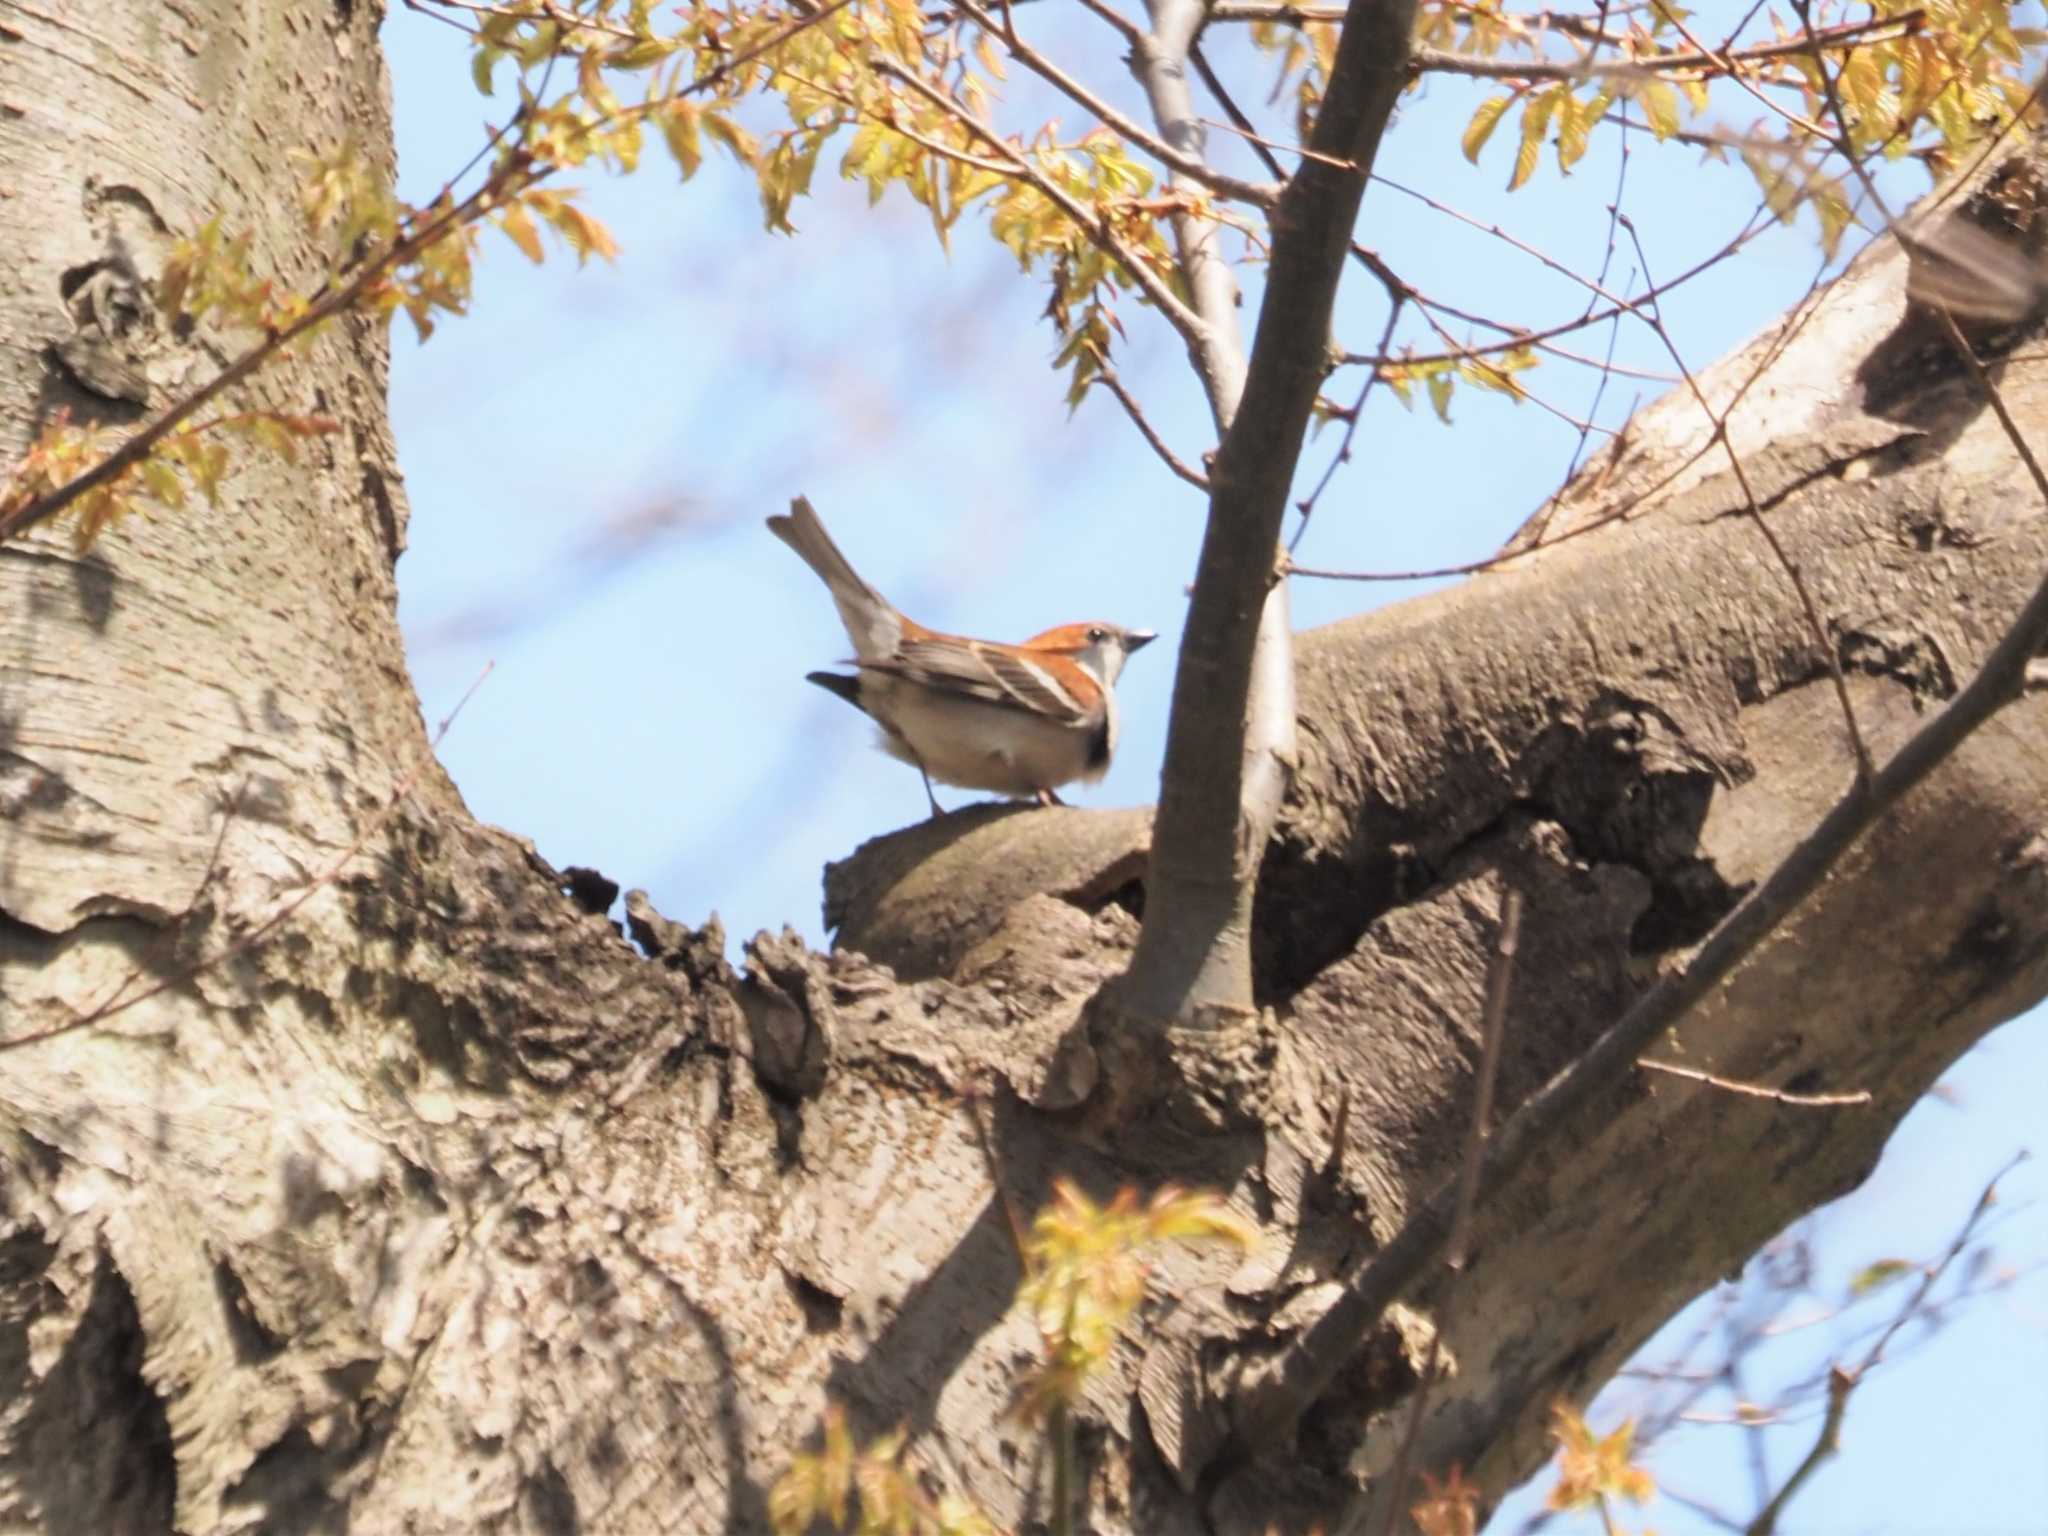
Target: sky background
590	454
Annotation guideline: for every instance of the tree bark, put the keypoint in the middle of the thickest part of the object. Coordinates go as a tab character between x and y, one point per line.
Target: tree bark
446	1208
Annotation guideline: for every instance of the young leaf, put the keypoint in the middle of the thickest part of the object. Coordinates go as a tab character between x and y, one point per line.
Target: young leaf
1660	107
1484	121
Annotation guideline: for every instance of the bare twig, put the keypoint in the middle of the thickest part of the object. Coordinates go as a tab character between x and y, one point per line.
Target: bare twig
1607	367
1240	124
1742	80
1701	61
1307	505
1826	1443
1816	625
567	21
1844	1380
1107	377
1262	146
1756	1090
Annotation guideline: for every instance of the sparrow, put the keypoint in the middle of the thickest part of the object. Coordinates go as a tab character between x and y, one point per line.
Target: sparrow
1020	720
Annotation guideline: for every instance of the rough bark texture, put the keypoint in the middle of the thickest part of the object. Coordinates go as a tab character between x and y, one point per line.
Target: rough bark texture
448	1209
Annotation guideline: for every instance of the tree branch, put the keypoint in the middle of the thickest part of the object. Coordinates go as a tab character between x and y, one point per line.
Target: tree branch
1193	962
1171	155
1159	59
434	223
1844	1380
1664	65
1273	1405
1108	379
1185	320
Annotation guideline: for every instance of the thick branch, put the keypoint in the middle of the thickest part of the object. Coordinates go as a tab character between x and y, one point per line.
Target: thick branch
1325	1347
1193	959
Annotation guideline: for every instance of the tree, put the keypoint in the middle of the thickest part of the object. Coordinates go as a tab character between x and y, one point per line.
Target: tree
359	1171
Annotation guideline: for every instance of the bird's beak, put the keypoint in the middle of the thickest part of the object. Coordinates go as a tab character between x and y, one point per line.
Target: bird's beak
1138	639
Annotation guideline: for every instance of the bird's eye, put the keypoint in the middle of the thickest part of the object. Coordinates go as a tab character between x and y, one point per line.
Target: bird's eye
1097	635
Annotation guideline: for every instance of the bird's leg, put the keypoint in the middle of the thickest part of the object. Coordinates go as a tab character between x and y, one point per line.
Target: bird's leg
1048	797
938	810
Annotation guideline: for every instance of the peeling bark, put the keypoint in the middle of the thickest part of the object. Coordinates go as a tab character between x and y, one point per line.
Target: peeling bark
449	1208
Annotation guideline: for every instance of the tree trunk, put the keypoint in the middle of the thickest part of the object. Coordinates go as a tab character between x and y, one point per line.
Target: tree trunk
442	1207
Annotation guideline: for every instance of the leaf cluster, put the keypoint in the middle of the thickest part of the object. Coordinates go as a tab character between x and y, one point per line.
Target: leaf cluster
1085	1267
1931	81
870	1489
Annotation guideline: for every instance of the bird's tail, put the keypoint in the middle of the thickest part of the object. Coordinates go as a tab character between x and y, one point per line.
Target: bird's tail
871	623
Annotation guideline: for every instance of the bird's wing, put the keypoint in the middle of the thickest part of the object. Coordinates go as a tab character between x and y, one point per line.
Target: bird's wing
1049	688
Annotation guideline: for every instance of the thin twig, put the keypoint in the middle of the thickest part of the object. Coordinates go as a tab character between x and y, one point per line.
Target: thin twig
568	22
1844	1380
1223	184
1185	320
1986	1199
1239	124
1126	28
1743	81
1607	369
1107	377
1713	64
1263	146
1816	625
1516	336
1307	505
1757	1090
1825	1445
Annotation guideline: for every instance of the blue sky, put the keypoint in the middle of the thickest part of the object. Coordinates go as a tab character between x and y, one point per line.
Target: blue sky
589	456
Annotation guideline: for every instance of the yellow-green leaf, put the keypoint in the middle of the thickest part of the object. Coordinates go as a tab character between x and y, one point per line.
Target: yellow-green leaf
679	128
163	483
1660	107
1876	1276
519	228
744	146
1484	121
1439	382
